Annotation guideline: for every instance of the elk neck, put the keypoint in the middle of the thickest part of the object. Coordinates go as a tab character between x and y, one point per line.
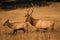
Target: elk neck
31	20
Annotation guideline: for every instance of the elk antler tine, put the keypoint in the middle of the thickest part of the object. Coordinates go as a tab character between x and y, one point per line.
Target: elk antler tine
28	10
31	11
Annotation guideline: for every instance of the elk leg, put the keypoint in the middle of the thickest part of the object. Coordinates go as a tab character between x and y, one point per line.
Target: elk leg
24	30
52	28
45	29
37	30
15	31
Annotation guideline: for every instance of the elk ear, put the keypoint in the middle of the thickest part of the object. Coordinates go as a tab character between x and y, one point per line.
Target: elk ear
7	20
25	16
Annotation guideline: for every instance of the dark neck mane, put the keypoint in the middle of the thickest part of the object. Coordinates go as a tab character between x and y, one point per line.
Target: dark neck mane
31	21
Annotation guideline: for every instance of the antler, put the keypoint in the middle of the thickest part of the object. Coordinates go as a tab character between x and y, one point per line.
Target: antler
31	11
28	11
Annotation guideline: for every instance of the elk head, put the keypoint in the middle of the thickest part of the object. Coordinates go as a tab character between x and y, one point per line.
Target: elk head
6	22
29	15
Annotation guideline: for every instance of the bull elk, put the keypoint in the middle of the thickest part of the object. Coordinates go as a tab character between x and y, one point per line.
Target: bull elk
16	26
38	23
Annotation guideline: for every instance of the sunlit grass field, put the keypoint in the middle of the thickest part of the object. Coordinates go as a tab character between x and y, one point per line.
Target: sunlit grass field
51	12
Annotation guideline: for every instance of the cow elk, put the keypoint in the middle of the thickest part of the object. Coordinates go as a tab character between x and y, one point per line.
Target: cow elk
16	26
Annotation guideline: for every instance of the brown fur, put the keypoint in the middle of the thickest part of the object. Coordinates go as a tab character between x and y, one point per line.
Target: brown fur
44	24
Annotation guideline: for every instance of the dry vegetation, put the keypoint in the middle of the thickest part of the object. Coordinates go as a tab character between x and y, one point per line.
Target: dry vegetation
51	12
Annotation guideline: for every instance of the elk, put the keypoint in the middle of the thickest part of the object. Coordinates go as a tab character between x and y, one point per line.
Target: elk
38	23
16	26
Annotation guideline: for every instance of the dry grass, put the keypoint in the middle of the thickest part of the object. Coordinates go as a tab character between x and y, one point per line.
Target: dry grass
51	12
